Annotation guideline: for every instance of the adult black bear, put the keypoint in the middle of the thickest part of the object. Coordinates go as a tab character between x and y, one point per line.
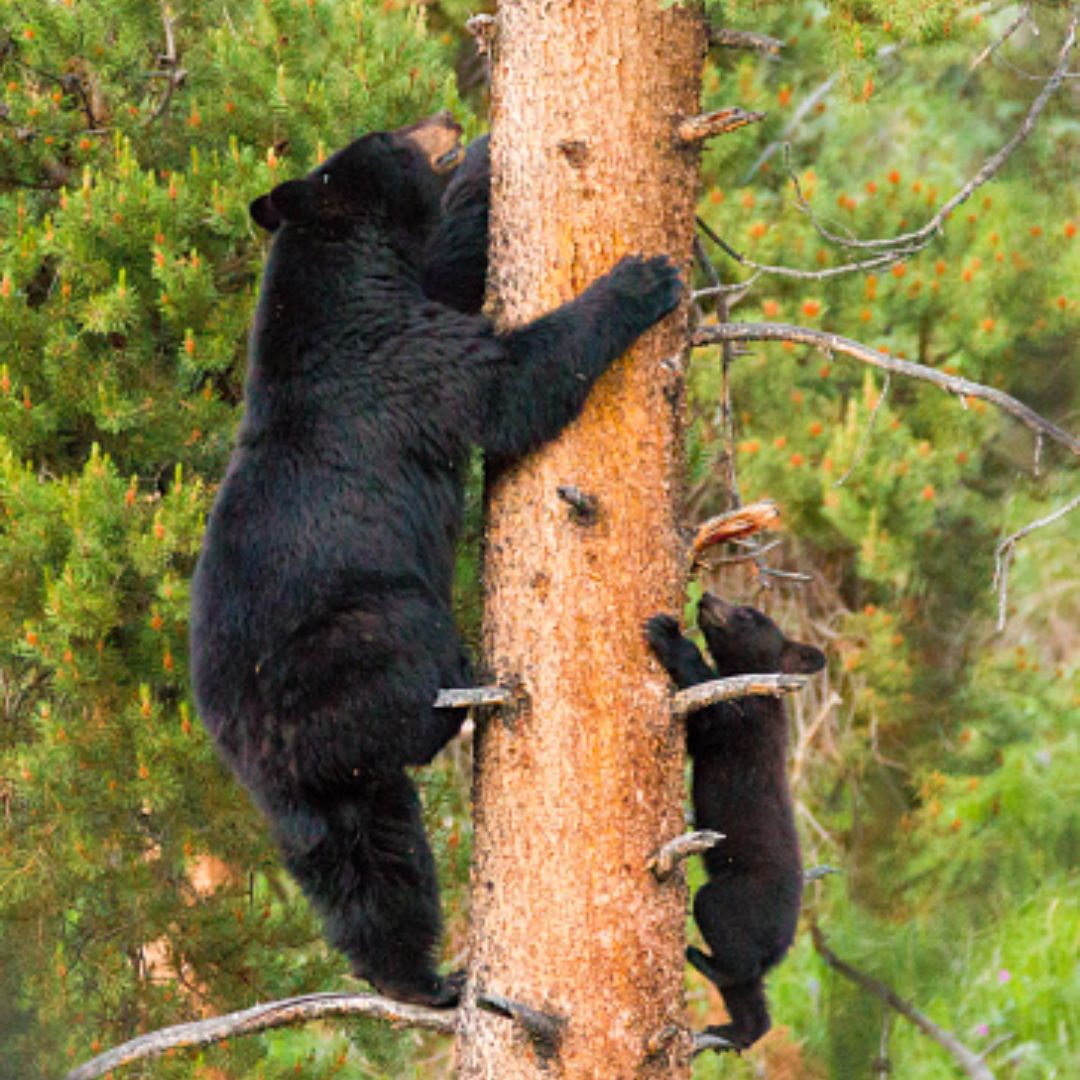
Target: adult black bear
321	626
748	910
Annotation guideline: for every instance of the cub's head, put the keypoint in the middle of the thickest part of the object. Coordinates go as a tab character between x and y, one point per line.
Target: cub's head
742	641
394	177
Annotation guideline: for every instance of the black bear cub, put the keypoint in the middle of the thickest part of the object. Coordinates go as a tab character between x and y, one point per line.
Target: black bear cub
321	626
748	911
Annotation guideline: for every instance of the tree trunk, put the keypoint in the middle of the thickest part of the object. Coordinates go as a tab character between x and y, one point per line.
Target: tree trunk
579	786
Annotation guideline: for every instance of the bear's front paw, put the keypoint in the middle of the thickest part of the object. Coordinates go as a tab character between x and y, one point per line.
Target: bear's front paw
662	633
654	285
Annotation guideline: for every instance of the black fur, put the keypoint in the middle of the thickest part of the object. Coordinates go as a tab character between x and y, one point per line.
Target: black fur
748	910
321	625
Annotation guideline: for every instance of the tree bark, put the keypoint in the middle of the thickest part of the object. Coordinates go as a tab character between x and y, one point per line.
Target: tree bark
583	782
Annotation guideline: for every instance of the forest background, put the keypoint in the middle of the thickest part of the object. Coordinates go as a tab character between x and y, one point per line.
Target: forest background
937	765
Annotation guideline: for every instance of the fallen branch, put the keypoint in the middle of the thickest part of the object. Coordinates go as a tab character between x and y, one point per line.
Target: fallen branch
971	1063
663	862
716	690
1003	554
274	1014
954	384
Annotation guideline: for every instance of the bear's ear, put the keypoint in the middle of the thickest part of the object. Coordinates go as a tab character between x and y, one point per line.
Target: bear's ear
799	659
264	215
292	201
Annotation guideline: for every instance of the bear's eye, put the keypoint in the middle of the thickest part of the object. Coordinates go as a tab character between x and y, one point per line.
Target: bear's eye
326	178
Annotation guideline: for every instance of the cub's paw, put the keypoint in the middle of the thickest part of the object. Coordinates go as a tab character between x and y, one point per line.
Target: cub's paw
654	285
663	635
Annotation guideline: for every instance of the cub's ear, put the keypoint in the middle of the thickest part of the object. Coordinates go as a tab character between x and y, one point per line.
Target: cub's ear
292	201
799	659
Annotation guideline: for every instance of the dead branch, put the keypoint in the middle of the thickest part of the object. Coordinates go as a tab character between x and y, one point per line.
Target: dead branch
735	524
545	1030
482	29
736	686
663	862
875	262
797	118
703	1041
971	1063
724	37
954	384
472	696
171	72
816	873
1004	552
273	1014
584	508
920	238
1011	29
695	129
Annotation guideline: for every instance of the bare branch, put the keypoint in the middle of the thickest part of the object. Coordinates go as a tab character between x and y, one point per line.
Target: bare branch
274	1014
545	1030
724	37
816	873
715	690
482	28
1004	552
1011	29
954	384
797	118
584	508
170	63
694	129
706	1041
663	862
919	238
874	262
735	524
864	442
970	1062
470	697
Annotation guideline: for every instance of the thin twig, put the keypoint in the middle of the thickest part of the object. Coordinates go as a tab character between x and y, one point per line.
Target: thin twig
736	686
954	384
919	238
273	1014
970	1062
1004	552
1011	29
875	262
864	442
797	118
172	73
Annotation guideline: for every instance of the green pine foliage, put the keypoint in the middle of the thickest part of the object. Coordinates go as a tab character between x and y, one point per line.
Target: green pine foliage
137	886
944	784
